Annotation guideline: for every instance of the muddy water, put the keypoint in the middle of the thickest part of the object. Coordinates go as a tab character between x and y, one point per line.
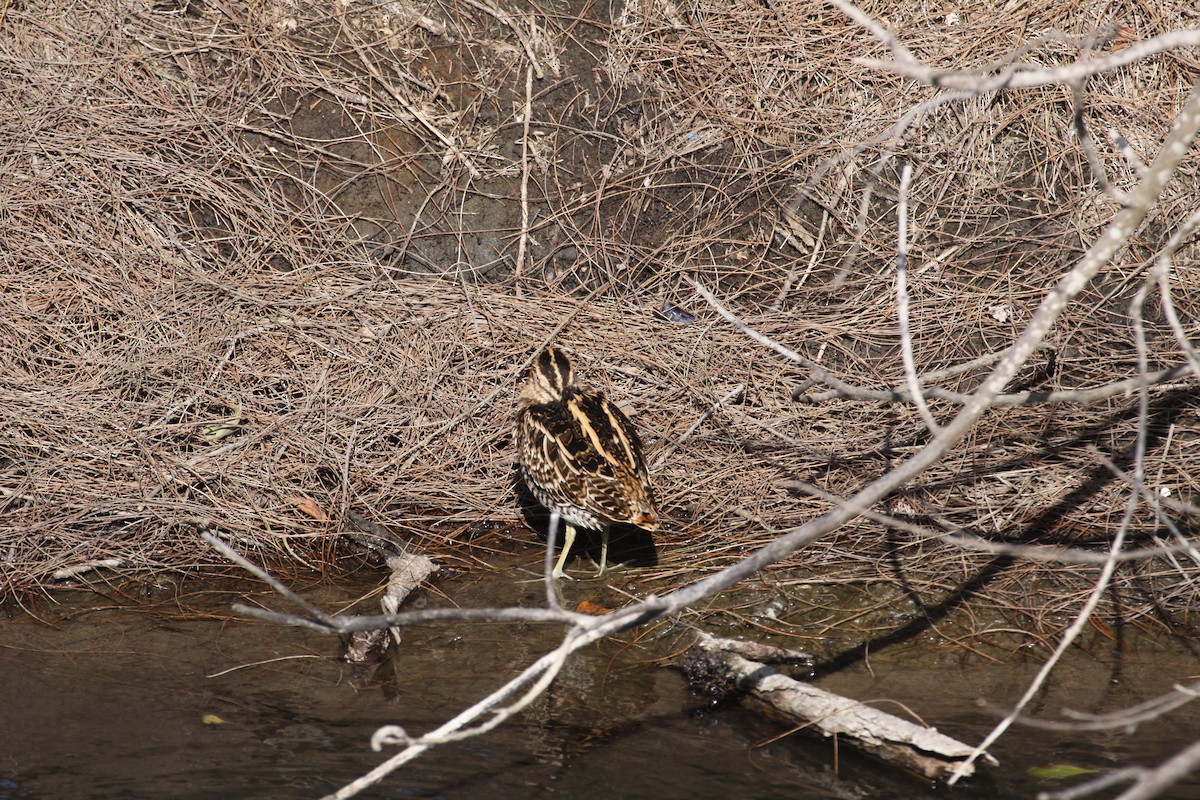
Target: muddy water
174	699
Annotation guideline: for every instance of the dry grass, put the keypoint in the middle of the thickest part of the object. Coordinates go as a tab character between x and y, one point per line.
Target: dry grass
247	282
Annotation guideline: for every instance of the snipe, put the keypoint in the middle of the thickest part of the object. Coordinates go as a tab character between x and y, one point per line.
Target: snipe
580	455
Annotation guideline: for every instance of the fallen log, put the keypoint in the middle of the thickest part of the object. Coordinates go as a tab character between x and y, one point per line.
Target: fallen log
720	667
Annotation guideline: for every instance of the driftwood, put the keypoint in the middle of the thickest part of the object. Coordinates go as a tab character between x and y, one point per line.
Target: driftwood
408	569
718	666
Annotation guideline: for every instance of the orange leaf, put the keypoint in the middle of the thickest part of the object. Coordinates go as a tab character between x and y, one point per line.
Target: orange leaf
309	507
588	607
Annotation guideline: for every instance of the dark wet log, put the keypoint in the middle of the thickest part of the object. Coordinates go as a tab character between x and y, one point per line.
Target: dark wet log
716	666
365	648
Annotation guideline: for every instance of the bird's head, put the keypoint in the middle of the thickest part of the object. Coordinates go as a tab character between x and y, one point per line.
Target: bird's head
549	378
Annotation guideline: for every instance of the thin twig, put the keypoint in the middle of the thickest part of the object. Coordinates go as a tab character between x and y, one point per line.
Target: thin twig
667	451
1127	718
1164	378
968	539
906	344
327	622
519	268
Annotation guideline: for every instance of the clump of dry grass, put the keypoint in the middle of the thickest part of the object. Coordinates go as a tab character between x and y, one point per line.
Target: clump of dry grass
214	225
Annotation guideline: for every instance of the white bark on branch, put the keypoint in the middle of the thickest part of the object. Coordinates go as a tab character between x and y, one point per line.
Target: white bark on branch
715	665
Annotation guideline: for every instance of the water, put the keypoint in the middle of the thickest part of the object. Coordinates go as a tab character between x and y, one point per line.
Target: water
175	699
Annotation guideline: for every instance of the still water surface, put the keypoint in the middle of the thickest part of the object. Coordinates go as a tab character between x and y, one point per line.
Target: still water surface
110	701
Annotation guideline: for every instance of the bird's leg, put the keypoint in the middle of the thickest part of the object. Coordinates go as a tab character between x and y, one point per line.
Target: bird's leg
568	540
603	550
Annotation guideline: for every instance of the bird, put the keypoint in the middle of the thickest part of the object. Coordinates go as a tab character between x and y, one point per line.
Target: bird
580	455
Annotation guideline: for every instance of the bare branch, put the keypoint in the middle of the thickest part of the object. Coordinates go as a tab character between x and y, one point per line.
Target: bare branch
1171	149
523	240
1005	74
1153	782
317	615
545	667
1078	104
971	540
1127	718
840	388
1024	76
906	345
1099	254
1165	378
1163	266
1147	783
1068	637
350	624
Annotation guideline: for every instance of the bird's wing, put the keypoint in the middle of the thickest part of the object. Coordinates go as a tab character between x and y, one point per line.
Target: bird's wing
585	453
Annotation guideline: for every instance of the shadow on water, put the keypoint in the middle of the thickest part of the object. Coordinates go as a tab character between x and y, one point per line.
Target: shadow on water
177	700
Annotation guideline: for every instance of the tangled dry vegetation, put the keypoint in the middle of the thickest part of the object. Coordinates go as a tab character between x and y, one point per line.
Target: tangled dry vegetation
266	264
